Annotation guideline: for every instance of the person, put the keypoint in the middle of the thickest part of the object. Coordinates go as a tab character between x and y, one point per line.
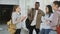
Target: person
45	27
55	5
17	18
34	16
54	22
58	28
57	13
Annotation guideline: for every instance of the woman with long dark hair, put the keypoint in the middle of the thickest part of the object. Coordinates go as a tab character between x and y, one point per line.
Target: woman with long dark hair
45	27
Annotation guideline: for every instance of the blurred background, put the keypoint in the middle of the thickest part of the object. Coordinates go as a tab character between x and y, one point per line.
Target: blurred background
6	8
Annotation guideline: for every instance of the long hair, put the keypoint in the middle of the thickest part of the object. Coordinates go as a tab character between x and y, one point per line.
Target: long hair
50	9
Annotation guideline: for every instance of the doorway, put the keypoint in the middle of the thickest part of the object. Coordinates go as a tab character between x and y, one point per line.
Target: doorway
5	13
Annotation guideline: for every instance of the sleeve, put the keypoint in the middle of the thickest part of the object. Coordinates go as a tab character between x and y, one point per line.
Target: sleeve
43	14
50	18
43	19
14	18
54	19
30	15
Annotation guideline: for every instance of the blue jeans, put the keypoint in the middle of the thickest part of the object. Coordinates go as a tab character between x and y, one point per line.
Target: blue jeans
45	31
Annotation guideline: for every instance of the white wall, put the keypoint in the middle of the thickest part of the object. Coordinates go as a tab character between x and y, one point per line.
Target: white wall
22	5
25	4
9	2
43	3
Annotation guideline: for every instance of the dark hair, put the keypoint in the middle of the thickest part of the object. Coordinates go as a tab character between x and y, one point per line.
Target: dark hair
59	3
56	3
50	9
37	3
14	8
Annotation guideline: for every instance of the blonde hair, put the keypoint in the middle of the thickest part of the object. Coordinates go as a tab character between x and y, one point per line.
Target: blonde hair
14	8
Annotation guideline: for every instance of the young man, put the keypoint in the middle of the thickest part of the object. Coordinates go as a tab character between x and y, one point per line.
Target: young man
34	15
55	5
55	18
58	21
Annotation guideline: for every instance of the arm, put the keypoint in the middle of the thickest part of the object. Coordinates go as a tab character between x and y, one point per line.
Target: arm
14	18
30	15
43	14
50	18
54	19
23	18
43	19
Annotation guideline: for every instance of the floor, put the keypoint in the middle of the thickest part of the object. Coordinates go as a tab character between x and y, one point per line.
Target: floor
5	31
23	31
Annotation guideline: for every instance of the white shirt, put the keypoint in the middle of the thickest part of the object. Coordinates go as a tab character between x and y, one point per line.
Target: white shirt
44	24
34	21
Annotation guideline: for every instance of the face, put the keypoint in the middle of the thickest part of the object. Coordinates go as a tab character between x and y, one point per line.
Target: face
36	6
54	7
47	10
18	9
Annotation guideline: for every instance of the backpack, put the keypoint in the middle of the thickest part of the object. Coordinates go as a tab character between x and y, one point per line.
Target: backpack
11	27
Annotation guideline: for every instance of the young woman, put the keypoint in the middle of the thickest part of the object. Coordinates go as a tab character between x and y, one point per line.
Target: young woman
17	18
45	27
58	21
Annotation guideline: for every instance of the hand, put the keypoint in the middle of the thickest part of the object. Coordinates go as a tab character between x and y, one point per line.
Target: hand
23	18
47	21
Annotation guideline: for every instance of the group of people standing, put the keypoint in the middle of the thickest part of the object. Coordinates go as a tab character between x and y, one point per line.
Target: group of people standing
42	22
